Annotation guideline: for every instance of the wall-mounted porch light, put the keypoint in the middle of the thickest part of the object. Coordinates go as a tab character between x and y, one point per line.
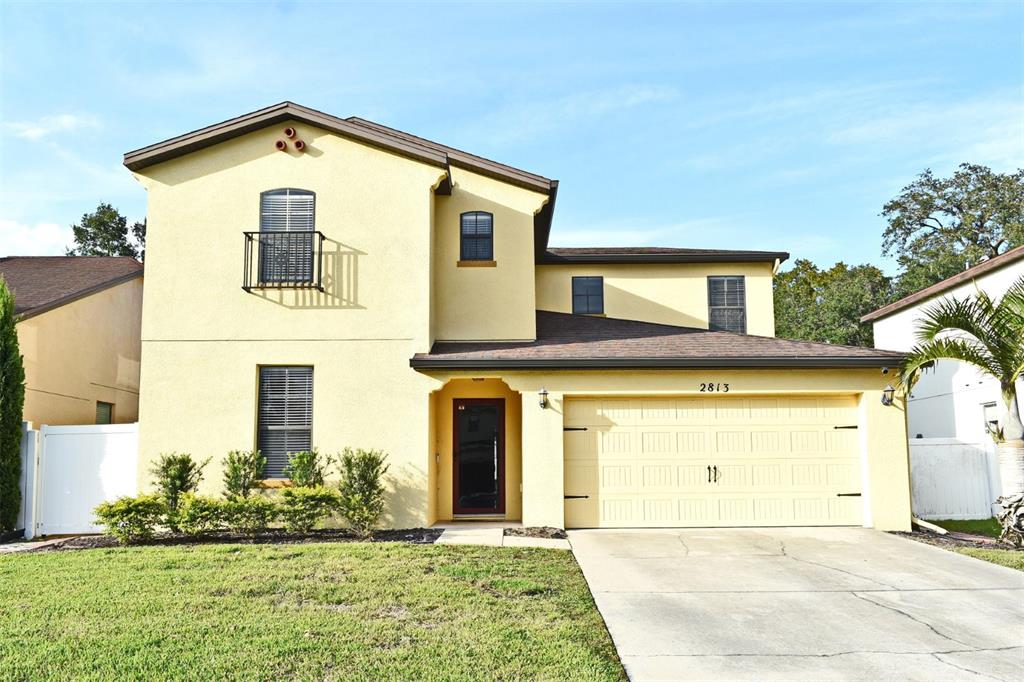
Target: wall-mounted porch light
888	393
543	398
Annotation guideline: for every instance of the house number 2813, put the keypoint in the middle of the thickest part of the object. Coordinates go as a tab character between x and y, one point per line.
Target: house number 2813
714	388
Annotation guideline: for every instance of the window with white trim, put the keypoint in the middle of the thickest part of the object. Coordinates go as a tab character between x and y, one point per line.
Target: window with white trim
727	304
284	415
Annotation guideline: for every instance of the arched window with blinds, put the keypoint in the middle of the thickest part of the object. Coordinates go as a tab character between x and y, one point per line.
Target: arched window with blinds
476	232
287	222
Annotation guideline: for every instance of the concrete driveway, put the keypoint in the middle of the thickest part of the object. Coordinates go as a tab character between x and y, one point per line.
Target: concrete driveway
801	603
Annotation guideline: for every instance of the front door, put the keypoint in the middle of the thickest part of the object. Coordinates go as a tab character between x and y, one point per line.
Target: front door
478	451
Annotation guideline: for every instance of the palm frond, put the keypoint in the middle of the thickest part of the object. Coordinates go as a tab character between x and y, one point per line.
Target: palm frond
965	350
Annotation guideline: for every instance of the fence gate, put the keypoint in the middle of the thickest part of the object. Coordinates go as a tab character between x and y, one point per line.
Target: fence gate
77	467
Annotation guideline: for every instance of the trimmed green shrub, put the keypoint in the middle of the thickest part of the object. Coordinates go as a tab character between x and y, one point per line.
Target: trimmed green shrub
307	469
12	399
198	515
303	508
131	519
250	514
362	488
174	475
243	469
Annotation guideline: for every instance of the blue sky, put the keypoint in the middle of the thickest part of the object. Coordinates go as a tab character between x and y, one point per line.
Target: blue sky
723	125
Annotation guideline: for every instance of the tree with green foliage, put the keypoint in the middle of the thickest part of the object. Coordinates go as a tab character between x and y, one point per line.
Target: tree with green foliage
938	227
826	305
105	232
12	399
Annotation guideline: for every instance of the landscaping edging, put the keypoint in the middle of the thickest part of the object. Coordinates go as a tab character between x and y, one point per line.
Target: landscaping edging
416	536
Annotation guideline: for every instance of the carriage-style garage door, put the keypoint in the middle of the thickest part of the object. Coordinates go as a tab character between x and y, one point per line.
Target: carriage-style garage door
712	461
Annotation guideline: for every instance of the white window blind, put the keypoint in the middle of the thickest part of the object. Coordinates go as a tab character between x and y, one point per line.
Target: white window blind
727	304
285	416
287	216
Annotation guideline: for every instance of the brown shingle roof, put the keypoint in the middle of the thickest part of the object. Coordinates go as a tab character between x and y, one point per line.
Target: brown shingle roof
41	283
657	254
578	341
994	263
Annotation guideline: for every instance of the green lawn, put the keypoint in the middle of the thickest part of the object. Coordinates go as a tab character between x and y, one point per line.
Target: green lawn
1004	557
318	611
987	527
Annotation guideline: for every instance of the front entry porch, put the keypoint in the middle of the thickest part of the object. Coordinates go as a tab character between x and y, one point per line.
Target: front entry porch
476	473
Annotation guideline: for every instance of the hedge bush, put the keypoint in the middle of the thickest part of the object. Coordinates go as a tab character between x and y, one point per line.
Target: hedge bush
250	515
243	469
197	515
361	488
303	508
307	469
175	475
131	519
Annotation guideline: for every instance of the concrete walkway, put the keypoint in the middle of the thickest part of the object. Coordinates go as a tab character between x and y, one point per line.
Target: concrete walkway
801	603
492	535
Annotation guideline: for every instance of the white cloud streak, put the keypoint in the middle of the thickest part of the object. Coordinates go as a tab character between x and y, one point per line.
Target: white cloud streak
39	239
49	125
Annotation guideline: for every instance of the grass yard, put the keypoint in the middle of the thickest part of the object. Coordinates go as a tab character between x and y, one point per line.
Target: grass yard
318	611
987	527
1011	558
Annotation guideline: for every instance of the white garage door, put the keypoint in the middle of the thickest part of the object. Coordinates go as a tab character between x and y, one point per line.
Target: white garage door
722	461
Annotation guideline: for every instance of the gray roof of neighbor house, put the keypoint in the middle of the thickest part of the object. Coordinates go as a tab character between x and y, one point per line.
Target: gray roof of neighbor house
42	283
657	254
991	264
567	341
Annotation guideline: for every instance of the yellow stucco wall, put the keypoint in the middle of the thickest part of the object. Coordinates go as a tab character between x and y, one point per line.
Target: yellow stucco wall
467	388
468	299
882	429
83	352
665	293
204	337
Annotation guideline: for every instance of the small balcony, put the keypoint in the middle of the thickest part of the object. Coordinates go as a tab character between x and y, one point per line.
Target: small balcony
283	260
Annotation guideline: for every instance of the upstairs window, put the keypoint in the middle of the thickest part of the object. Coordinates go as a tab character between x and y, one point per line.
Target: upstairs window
588	295
285	415
727	304
476	236
287	222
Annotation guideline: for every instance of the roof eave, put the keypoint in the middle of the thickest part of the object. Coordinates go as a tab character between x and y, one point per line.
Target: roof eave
426	363
71	298
612	259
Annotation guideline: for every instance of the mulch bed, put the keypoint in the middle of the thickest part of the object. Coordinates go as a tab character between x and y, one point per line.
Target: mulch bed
538	532
416	536
952	539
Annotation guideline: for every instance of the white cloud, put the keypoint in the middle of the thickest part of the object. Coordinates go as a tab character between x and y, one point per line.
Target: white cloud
40	239
48	125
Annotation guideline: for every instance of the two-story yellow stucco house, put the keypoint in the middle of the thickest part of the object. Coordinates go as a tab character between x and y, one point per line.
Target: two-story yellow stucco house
329	282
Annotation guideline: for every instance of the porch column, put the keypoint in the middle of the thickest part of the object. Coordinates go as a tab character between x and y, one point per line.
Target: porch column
543	503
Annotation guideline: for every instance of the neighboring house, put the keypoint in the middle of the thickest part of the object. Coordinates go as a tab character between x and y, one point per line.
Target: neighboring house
952	400
329	282
78	320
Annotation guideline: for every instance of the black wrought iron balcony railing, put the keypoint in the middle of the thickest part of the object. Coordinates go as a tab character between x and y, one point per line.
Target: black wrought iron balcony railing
283	260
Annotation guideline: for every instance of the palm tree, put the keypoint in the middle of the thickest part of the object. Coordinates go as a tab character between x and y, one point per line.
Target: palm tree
990	336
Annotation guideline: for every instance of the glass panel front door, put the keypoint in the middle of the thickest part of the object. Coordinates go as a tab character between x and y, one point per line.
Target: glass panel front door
479	457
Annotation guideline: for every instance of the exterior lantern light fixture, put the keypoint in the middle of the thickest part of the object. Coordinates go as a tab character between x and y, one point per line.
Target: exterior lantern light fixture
543	398
887	395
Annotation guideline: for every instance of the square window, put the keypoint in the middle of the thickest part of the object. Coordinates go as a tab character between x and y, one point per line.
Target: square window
588	295
476	236
727	304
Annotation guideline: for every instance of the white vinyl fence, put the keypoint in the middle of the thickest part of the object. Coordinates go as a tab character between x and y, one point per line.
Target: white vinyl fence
951	479
68	470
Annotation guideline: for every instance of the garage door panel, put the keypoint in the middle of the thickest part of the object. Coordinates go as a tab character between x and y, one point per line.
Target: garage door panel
647	460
